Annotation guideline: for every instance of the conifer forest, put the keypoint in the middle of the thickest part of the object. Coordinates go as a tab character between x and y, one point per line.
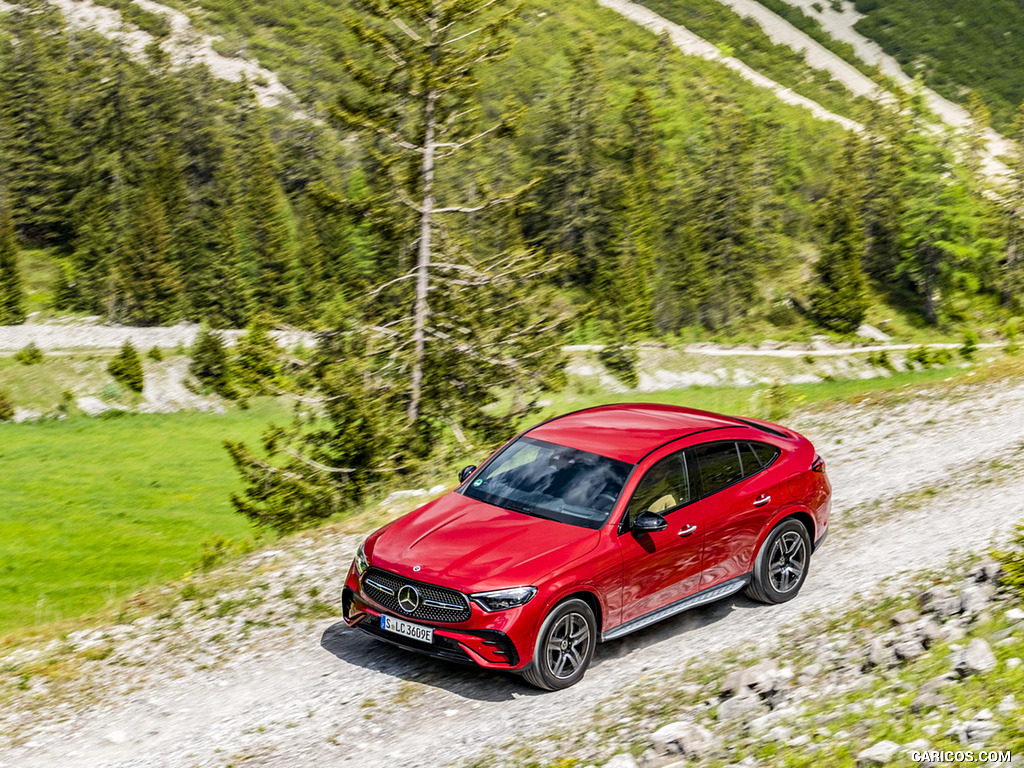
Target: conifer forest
452	192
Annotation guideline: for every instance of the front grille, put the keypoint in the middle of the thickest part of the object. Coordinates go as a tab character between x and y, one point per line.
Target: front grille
437	604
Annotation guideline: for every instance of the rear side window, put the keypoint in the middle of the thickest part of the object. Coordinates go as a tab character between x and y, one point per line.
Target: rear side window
719	465
665	487
766	454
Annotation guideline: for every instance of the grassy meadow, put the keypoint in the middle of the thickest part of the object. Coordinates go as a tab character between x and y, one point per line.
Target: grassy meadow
94	509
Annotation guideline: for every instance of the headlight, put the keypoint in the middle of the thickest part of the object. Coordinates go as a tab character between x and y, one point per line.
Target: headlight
501	599
361	562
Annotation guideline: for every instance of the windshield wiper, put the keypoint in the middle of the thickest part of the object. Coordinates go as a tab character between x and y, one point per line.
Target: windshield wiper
511	505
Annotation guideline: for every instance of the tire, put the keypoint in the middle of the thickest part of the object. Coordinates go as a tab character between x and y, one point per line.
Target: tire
555	651
782	564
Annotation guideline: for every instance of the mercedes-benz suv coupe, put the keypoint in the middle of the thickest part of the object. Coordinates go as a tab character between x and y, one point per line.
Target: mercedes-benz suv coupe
590	526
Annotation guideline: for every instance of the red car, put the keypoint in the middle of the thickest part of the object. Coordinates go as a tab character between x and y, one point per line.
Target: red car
590	526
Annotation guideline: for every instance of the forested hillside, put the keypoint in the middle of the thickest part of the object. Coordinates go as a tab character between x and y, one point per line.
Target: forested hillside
957	46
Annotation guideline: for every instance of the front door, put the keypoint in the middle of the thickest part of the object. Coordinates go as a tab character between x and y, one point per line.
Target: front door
662	567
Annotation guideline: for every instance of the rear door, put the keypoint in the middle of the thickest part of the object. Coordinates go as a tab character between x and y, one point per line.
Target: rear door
738	500
662	567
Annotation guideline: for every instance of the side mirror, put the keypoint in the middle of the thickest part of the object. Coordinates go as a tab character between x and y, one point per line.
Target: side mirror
467	471
649	522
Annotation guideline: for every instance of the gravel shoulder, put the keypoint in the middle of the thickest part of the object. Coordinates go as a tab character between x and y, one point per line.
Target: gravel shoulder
272	679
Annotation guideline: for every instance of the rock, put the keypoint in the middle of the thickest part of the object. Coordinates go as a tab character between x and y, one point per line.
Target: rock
874	334
939	600
621	760
649	758
879	654
918	745
926	700
1013	663
974	731
684	737
1015	614
116	737
988	571
909	649
738	706
799	741
976	658
906	616
1007	704
930	631
779	733
881	753
973	600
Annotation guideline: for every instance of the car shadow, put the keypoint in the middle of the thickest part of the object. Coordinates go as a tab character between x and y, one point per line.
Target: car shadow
355	647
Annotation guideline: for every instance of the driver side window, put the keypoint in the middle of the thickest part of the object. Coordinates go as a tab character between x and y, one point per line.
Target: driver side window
665	487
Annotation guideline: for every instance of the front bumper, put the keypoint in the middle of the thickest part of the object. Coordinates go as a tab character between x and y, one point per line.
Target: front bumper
489	640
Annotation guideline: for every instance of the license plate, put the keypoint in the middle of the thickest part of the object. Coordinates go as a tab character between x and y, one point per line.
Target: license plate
407	628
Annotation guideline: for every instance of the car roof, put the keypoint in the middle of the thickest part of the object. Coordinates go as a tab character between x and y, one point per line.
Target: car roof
629	431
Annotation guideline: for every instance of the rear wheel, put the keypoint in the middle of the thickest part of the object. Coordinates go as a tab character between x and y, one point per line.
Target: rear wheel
565	646
782	564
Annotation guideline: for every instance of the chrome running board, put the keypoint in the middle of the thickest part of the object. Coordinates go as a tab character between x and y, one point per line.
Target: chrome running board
709	595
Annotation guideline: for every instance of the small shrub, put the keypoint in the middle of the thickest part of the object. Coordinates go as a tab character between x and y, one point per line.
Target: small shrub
6	407
880	360
155	354
30	355
621	362
216	549
210	366
126	367
970	345
782	314
1011	330
779	401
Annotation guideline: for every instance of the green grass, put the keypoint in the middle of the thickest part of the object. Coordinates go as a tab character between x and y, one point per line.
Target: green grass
750	401
95	509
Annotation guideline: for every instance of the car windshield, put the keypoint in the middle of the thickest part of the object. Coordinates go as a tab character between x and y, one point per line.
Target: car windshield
553	482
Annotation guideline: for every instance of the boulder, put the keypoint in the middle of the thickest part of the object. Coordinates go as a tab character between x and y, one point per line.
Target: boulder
909	649
906	616
973	600
621	760
686	738
976	658
881	753
879	654
738	706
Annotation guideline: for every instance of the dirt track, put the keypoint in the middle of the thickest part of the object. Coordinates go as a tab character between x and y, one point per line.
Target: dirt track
316	693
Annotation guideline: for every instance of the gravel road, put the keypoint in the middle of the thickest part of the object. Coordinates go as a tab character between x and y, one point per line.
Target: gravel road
316	693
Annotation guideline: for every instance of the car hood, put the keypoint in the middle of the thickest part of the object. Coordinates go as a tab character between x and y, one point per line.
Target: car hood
472	546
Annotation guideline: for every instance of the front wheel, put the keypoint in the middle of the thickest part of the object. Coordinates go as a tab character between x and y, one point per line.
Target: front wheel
565	646
782	563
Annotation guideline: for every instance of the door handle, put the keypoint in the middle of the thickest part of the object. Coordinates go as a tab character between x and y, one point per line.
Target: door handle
762	500
687	530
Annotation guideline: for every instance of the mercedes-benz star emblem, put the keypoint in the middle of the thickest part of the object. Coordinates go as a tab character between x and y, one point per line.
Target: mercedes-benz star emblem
416	568
408	598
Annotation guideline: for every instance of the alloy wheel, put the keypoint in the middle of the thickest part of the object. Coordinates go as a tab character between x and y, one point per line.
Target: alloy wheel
567	645
786	561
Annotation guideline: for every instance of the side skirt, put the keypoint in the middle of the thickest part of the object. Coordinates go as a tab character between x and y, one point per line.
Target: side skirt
708	595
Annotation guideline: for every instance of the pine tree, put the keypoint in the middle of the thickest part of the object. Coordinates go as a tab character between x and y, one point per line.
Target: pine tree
12	294
210	365
840	300
632	294
573	197
255	362
976	138
268	228
1011	281
33	121
126	367
149	287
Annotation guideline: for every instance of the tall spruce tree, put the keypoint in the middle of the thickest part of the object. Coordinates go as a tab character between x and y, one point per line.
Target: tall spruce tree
12	293
1011	282
268	227
385	386
840	299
